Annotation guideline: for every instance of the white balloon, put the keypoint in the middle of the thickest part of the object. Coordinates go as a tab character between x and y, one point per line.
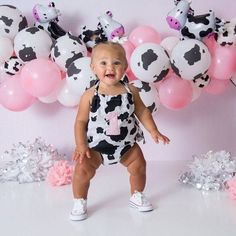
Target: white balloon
196	91
190	59
66	97
3	74
32	43
148	94
15	21
67	49
80	76
149	62
169	43
6	49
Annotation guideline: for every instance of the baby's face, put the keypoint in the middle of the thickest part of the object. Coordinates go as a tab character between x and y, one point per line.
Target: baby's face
109	63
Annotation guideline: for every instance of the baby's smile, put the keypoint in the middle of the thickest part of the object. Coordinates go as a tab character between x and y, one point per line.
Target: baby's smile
110	76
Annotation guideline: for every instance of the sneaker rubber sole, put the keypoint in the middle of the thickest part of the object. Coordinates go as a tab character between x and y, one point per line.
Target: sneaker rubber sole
141	208
78	217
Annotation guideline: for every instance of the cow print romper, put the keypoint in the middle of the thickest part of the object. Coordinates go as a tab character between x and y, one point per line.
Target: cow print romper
113	128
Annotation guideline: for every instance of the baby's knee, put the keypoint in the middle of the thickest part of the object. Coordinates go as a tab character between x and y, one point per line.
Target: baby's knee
138	167
83	172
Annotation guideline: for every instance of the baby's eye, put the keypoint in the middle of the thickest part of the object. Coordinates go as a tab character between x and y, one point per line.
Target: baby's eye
103	63
116	63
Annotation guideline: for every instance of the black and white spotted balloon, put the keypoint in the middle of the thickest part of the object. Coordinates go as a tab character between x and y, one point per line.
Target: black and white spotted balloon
190	59
149	62
67	49
202	81
233	80
32	43
6	49
80	76
148	94
13	65
11	21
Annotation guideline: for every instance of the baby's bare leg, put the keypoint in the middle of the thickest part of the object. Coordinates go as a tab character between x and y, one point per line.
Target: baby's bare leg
136	166
83	173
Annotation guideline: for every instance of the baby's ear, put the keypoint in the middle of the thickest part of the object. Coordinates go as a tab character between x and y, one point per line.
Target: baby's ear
92	67
126	66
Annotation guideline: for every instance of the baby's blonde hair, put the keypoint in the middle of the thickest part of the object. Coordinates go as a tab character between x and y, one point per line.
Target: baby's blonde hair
113	45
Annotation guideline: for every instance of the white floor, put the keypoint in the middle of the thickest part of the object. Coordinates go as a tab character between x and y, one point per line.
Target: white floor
38	209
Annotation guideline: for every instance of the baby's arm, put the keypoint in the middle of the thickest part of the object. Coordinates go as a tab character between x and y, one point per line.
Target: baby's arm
145	117
80	128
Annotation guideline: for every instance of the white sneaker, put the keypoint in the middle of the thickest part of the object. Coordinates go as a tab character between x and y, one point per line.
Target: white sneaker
140	202
79	211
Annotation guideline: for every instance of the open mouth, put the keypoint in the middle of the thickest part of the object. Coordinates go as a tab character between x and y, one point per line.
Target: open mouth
110	76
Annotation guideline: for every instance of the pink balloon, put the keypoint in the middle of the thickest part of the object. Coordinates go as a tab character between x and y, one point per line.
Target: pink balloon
175	93
223	63
130	75
13	97
40	77
216	86
196	91
157	84
129	48
210	43
144	34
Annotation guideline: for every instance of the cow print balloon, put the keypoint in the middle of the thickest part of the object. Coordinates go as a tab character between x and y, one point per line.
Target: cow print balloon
13	65
233	80
67	49
149	62
190	59
80	76
202	81
32	43
148	94
11	21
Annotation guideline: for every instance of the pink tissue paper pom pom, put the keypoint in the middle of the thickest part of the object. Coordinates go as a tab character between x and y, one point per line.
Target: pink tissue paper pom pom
60	173
232	187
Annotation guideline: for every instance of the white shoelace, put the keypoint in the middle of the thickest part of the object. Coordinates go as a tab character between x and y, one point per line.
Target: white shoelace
141	197
79	205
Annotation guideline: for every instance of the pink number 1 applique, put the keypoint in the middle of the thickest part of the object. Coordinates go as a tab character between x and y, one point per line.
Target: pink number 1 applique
113	128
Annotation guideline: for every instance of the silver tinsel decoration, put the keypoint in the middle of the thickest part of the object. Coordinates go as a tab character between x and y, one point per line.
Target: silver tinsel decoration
210	171
28	162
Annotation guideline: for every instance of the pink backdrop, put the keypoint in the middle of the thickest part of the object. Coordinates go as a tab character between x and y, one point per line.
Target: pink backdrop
209	123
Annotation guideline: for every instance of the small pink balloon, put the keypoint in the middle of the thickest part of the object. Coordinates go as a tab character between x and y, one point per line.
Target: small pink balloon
175	93
216	86
129	48
169	43
223	63
40	77
157	84
130	75
210	43
144	34
13	97
196	91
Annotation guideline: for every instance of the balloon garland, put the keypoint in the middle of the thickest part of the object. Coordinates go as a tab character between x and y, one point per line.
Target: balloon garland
45	62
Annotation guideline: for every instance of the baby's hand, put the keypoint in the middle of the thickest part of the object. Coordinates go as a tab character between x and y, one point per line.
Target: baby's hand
80	153
157	136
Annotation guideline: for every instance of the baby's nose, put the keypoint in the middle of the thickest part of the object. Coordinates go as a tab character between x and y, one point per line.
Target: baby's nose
110	67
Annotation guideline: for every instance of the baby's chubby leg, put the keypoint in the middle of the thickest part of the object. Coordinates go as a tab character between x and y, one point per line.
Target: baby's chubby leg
83	173
136	166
